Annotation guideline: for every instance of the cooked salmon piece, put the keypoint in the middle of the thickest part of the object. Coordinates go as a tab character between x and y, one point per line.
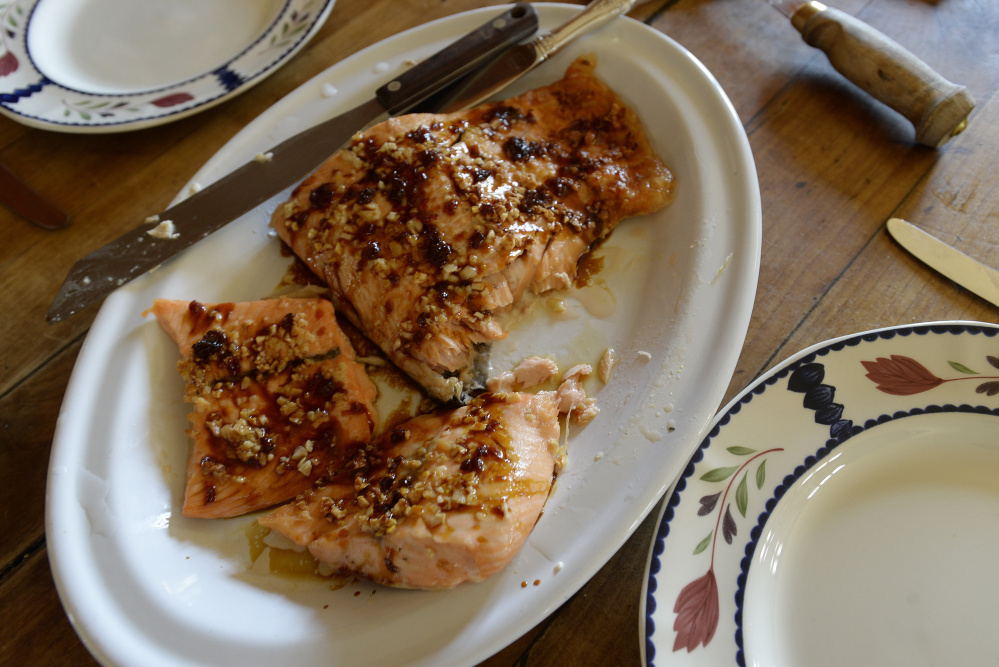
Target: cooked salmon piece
572	397
428	228
444	498
529	373
277	397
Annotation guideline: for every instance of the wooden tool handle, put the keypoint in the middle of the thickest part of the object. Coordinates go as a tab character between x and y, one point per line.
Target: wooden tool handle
937	108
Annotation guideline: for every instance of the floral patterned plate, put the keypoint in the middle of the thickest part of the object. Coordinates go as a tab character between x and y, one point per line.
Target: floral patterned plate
91	66
843	510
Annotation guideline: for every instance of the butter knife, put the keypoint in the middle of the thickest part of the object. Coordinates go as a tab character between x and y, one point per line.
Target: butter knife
950	262
20	198
144	248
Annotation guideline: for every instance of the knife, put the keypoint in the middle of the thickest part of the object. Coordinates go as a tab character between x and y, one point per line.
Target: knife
20	198
521	59
951	262
187	222
937	108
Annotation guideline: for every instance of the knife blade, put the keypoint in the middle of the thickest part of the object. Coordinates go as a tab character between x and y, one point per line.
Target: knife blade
21	199
189	221
878	65
482	84
946	260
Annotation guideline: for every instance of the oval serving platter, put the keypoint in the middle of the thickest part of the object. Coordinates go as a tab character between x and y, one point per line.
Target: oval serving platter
145	585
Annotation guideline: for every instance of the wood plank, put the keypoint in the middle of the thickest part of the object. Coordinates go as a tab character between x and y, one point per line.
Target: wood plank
36	629
27	423
833	165
954	204
602	619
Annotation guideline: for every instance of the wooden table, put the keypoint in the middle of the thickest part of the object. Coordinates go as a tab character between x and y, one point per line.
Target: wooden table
833	165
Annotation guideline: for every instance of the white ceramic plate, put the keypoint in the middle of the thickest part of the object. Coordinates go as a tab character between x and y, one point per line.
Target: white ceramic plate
115	65
841	511
144	585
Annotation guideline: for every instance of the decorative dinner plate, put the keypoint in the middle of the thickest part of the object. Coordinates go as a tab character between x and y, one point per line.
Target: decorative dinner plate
843	510
115	65
144	585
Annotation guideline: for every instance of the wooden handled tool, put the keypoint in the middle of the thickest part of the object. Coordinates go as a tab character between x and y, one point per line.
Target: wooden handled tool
937	108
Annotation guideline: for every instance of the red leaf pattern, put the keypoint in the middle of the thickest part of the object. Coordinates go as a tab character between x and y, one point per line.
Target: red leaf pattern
697	613
8	64
697	605
172	100
900	376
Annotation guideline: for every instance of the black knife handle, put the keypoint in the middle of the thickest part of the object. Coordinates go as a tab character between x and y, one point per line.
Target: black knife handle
469	52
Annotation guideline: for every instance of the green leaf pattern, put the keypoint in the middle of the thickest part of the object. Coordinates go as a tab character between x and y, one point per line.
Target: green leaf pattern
740	472
297	22
718	474
742	496
961	368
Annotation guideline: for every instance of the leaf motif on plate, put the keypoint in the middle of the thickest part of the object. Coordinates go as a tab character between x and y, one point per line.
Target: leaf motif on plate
708	504
719	474
8	61
806	377
742	495
900	376
904	376
8	64
961	368
172	100
697	613
703	544
729	529
297	22
697	605
988	388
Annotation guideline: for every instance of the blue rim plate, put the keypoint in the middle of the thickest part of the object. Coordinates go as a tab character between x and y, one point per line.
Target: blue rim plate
99	66
823	517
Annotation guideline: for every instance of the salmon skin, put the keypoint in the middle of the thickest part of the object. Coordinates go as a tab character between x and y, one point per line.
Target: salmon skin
444	498
277	397
427	228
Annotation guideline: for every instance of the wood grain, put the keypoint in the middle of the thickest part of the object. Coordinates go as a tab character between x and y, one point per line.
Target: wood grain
27	424
833	165
36	629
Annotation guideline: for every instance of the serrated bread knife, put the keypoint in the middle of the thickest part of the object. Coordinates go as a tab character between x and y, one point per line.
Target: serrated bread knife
950	262
101	272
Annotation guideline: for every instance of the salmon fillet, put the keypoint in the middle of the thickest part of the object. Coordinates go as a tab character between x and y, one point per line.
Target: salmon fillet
444	498
276	396
427	228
